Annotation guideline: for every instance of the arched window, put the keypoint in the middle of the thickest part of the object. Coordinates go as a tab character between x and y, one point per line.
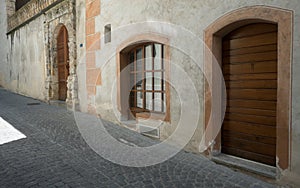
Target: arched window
147	72
143	78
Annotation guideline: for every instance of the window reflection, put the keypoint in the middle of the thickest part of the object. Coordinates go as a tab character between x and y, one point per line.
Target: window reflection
147	76
149	80
157	102
157	81
139	101
148	57
157	56
149	101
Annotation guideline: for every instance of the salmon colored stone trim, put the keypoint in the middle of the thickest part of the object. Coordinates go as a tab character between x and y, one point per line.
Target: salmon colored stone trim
93	74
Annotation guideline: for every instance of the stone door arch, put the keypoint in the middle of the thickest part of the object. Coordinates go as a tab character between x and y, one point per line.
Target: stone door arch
62	16
55	68
59	68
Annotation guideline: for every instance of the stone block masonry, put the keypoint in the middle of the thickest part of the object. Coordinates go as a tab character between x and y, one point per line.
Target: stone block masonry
28	12
93	74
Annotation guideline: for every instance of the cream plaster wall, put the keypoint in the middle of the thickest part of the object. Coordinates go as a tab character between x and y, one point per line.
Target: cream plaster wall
81	52
295	137
23	58
194	16
4	73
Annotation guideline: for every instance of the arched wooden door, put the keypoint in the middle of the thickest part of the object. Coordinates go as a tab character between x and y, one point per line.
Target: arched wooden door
250	71
62	63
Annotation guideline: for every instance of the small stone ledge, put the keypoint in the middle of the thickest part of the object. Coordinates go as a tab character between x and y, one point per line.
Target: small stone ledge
243	164
28	12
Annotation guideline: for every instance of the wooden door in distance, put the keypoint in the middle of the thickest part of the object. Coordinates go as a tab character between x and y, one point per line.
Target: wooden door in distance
62	62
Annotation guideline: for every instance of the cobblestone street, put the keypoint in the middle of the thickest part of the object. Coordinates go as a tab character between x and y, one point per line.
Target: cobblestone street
55	155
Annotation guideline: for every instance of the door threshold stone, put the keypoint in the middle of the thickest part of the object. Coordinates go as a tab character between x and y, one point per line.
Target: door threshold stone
247	165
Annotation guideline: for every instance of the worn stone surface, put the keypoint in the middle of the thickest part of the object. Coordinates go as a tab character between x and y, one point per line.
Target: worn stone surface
10	7
55	155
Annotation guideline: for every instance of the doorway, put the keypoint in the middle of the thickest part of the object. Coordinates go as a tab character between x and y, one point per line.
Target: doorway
249	64
62	63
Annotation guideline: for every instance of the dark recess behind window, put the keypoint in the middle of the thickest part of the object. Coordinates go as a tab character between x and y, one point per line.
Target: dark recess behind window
20	3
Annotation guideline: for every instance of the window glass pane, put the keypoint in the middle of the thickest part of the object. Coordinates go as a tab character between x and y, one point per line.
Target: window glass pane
139	99
164	102
142	62
132	97
157	56
157	102
149	81
132	83
148	57
149	100
157	81
131	61
163	81
139	61
163	56
139	81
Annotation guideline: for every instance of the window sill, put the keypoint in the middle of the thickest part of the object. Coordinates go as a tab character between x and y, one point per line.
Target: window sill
154	116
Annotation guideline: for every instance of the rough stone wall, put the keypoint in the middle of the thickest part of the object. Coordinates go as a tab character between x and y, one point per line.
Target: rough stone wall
10	7
194	16
22	68
60	15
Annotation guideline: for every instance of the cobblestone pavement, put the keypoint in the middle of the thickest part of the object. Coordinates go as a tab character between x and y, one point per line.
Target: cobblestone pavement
55	155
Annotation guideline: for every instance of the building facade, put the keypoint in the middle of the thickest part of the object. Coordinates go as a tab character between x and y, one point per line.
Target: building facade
228	67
